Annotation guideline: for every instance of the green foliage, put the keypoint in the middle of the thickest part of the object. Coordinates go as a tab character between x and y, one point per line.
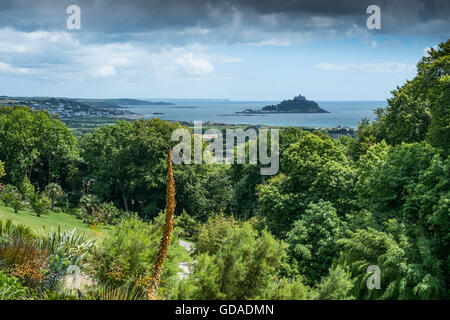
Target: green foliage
18	205
9	194
54	192
420	109
287	289
188	225
203	189
212	233
409	270
386	181
65	248
11	288
313	238
240	266
34	144
314	169
2	170
8	228
337	285
126	255
127	163
40	204
26	188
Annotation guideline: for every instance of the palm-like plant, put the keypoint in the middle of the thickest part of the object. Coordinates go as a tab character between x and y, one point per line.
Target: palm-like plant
39	204
54	192
18	205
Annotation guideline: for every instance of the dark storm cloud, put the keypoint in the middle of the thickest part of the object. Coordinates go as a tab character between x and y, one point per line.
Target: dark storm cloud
228	20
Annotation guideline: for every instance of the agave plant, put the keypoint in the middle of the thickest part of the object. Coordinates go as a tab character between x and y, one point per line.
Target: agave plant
107	292
72	244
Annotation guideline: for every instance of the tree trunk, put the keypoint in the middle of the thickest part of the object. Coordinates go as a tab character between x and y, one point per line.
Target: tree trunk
125	204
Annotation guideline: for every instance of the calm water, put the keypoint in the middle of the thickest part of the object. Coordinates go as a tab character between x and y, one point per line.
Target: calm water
345	113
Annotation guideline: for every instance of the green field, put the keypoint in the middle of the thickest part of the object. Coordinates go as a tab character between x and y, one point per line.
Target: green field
47	221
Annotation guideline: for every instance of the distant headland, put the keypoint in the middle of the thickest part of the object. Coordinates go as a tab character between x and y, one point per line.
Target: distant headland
297	105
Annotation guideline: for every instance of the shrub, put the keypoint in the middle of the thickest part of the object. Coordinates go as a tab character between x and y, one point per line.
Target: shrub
235	261
22	257
26	188
65	248
11	288
18	205
40	204
188	225
126	256
9	194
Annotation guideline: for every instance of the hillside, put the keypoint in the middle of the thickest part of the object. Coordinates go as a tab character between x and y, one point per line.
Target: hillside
48	221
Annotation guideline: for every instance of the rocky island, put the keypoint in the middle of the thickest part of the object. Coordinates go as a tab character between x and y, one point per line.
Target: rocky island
297	105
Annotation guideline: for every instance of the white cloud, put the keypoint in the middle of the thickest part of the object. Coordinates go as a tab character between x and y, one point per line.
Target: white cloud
384	67
194	66
59	55
105	71
7	68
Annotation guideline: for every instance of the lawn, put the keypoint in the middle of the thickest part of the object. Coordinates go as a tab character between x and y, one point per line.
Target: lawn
47	221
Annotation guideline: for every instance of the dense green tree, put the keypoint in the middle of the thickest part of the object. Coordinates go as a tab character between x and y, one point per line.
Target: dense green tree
385	186
240	265
420	109
312	240
34	144
409	270
313	169
126	163
126	256
337	285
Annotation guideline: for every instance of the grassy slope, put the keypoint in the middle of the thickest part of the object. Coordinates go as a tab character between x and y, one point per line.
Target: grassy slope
48	221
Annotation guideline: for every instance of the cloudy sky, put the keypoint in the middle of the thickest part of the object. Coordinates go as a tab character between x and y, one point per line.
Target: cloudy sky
241	50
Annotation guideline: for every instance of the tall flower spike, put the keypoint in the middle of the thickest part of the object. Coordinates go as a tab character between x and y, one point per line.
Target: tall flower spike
167	232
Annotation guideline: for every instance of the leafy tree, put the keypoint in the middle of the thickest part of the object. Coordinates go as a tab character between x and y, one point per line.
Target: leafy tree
314	169
241	266
26	188
126	256
420	109
34	144
54	192
212	233
337	285
409	270
126	163
287	289
385	186
313	238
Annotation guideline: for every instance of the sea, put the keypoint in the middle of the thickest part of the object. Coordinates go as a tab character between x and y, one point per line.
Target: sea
341	113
